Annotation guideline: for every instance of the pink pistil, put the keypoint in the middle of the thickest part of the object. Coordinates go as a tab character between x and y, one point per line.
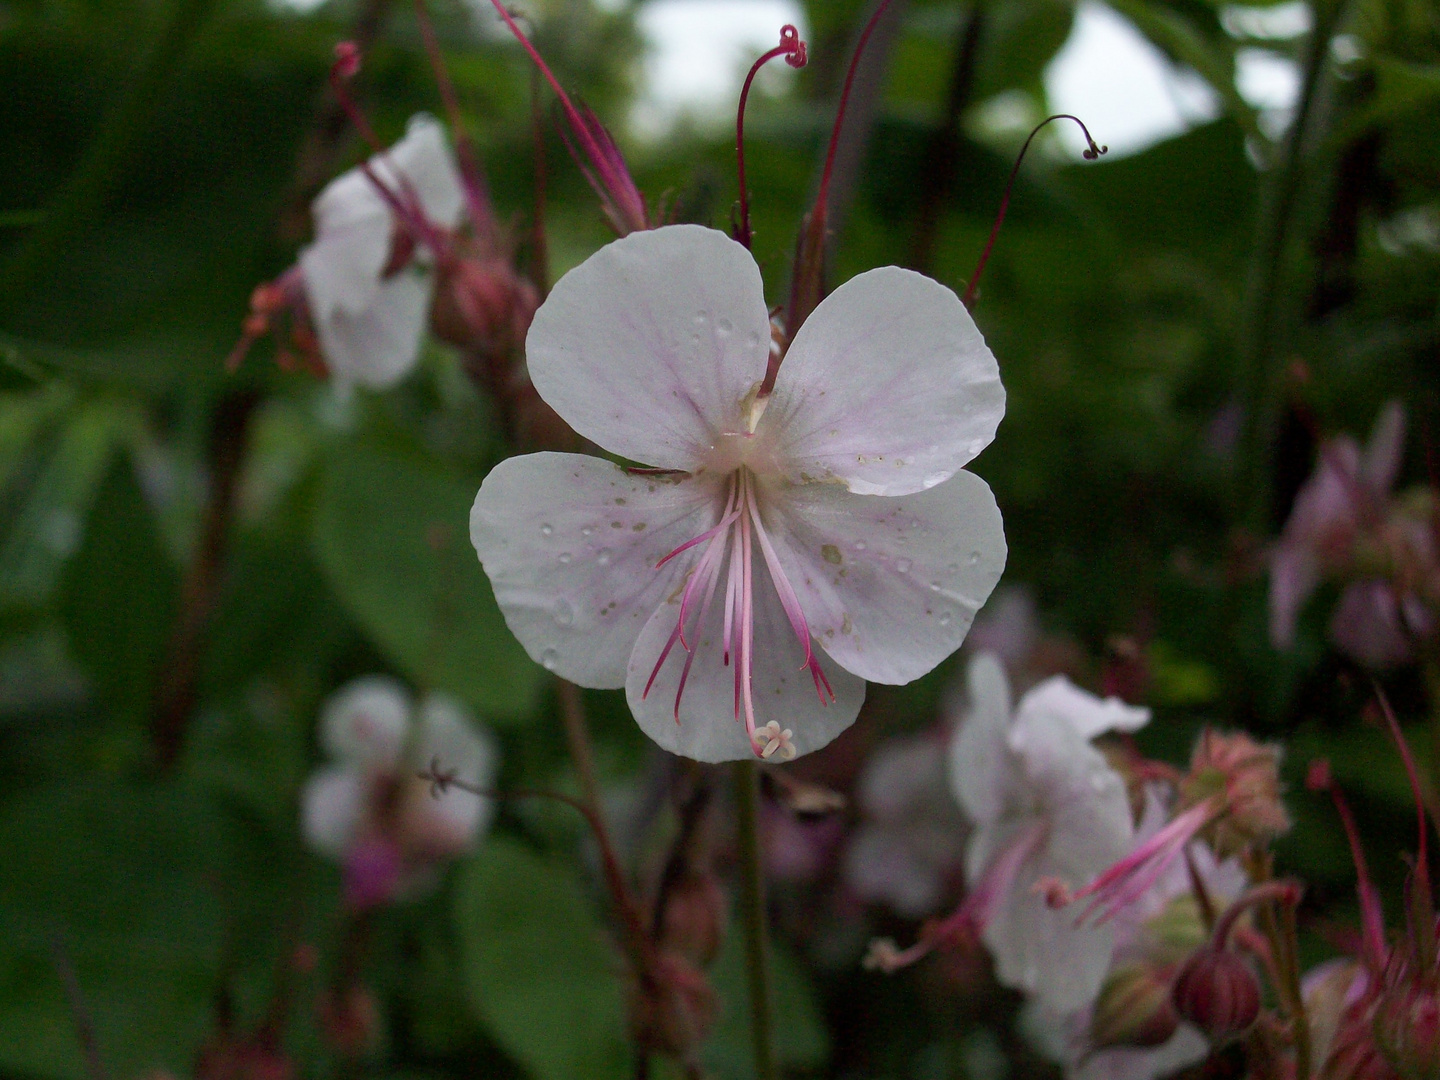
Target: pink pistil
1126	881
977	909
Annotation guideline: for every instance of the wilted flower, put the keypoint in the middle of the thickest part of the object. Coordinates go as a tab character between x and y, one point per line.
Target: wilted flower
370	810
367	275
843	488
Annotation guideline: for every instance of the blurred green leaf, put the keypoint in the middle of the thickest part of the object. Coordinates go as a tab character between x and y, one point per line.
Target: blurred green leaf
119	878
541	975
801	1041
119	597
50	524
392	533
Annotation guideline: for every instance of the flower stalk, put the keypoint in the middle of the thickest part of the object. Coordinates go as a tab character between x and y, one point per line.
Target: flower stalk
752	913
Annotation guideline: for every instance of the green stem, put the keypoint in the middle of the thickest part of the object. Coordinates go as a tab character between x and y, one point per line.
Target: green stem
752	913
1258	336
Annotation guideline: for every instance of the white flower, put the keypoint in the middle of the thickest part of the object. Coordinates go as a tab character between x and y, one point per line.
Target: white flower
1045	804
367	296
792	545
370	811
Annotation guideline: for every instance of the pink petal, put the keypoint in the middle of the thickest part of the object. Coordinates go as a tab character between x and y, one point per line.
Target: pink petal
649	346
571	545
889	585
888	387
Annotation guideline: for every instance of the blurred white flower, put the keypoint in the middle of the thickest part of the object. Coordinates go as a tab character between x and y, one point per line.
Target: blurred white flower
368	274
370	811
1045	804
834	511
908	847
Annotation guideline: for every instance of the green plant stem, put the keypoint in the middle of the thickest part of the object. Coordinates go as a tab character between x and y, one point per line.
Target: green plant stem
1257	344
752	915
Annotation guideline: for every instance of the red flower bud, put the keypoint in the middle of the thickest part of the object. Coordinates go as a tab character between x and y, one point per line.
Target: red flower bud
1217	992
1133	1008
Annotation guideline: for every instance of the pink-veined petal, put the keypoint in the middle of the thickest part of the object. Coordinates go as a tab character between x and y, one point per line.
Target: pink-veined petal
889	586
1085	713
649	346
365	722
888	387
332	805
982	772
571	545
783	689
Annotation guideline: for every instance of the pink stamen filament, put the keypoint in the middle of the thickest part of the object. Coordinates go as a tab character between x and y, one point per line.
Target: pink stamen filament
793	49
969	920
1372	917
1126	881
742	509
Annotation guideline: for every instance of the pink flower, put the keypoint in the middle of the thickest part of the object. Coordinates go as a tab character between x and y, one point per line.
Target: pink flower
371	812
780	549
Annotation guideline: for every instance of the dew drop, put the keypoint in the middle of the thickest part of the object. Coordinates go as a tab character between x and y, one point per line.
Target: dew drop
547	530
902	566
945	619
914	523
724	327
701	318
973	558
564	614
587	531
564	556
549	659
859	545
603	557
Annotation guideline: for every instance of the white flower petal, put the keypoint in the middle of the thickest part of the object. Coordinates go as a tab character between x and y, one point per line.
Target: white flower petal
890	586
331	807
648	347
365	722
452	739
571	545
1085	799
423	164
983	775
1086	713
782	688
888	386
1041	951
378	345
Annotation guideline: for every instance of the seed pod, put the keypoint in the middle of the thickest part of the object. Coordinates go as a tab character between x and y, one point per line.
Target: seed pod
1217	992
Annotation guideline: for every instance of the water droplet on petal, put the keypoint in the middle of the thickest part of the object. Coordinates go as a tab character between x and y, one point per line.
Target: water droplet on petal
902	566
564	556
564	614
859	545
701	318
945	619
603	557
973	558
548	659
587	531
724	327
546	530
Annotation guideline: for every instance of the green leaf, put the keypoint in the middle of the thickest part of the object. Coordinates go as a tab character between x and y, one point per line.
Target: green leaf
392	534
50	524
119	597
540	974
801	1041
120	879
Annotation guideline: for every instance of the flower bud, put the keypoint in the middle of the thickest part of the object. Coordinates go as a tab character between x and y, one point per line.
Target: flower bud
1407	1031
1217	992
1133	1008
483	303
693	924
1243	778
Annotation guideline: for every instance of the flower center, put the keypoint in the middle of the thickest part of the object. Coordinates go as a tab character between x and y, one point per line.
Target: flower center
727	551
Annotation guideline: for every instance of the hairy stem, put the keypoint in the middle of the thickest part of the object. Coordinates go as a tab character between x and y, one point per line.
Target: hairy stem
752	913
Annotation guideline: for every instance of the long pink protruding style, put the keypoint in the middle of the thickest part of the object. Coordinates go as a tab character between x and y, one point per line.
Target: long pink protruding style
611	178
738	531
793	49
1092	151
1372	917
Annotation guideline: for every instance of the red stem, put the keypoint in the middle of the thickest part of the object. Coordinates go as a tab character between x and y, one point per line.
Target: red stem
824	192
793	49
1090	154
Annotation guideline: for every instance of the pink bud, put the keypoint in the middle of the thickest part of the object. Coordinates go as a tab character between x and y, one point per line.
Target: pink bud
1407	1030
1217	992
347	60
